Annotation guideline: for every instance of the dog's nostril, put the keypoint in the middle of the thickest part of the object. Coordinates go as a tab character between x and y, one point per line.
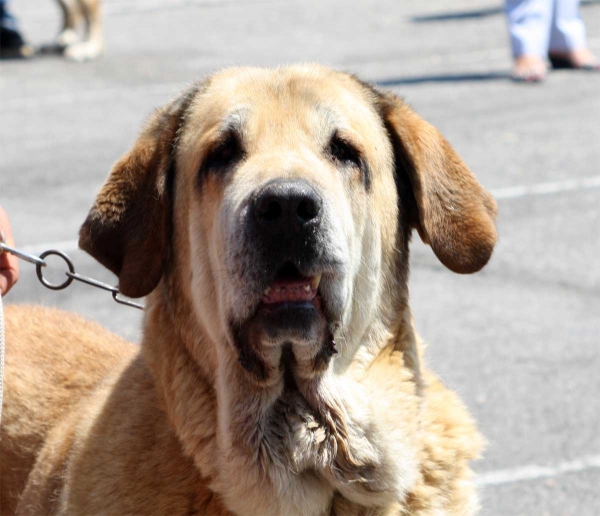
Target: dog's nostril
287	205
269	209
307	209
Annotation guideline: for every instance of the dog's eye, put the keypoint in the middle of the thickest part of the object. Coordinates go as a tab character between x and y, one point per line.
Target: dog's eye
343	151
224	154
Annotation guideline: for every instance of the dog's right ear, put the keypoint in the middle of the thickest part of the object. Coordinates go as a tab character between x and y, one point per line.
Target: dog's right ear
126	229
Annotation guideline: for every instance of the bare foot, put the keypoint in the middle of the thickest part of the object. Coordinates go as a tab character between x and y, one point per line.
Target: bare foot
529	68
581	58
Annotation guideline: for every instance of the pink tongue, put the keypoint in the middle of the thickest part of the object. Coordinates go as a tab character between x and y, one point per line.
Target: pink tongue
286	291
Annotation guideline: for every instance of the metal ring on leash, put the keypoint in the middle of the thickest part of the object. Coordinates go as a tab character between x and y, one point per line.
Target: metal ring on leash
44	281
71	274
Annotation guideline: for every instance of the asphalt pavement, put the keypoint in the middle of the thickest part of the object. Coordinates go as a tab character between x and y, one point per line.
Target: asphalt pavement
519	341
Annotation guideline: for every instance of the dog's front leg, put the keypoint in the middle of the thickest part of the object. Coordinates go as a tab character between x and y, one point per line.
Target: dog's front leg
72	16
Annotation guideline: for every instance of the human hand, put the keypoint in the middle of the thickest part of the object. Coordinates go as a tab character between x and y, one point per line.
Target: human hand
9	265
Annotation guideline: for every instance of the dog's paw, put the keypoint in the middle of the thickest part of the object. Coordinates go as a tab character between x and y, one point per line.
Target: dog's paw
84	51
67	38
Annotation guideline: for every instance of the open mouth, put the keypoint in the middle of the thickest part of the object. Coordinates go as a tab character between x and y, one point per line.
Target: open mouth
290	315
290	286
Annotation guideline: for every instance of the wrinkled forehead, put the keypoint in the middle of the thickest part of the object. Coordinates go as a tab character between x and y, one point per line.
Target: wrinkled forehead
286	105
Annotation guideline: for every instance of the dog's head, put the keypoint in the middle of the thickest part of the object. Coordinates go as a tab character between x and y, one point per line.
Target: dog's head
283	201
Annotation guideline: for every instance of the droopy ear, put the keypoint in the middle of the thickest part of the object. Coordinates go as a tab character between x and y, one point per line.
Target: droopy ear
456	215
127	227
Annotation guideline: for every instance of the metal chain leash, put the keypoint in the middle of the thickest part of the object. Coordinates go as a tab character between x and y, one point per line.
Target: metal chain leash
40	263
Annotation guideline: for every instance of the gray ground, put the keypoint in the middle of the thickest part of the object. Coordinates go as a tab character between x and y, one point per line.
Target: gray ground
520	341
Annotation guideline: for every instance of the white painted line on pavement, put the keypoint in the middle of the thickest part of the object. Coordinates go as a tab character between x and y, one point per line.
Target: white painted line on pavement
566	185
511	192
535	472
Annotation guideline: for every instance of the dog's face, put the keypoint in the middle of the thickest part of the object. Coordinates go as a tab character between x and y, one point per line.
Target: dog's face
293	187
283	200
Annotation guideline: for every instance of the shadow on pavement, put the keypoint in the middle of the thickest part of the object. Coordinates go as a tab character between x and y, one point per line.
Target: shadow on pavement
461	77
477	13
461	15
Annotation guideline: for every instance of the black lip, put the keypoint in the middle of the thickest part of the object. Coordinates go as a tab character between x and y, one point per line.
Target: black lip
286	307
281	324
289	319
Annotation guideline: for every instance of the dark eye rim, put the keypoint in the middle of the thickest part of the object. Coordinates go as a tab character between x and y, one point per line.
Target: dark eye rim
343	151
224	153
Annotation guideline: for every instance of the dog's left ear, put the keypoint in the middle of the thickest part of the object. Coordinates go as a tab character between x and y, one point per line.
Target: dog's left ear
456	215
127	227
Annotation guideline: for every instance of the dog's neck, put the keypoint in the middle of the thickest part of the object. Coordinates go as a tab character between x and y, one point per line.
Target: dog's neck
277	446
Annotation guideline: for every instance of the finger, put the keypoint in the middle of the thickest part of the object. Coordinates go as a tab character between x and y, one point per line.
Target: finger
9	264
8	278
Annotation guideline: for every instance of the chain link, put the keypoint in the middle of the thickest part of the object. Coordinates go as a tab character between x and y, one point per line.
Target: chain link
71	275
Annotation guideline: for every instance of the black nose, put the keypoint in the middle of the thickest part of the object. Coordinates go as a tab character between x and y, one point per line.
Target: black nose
287	205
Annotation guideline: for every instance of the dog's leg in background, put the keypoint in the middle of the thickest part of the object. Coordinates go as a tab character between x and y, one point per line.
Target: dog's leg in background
71	19
92	44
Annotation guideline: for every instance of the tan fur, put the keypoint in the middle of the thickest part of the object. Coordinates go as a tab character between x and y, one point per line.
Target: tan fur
181	426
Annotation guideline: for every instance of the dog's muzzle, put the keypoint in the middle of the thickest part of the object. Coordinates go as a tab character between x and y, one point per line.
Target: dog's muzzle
286	238
286	217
